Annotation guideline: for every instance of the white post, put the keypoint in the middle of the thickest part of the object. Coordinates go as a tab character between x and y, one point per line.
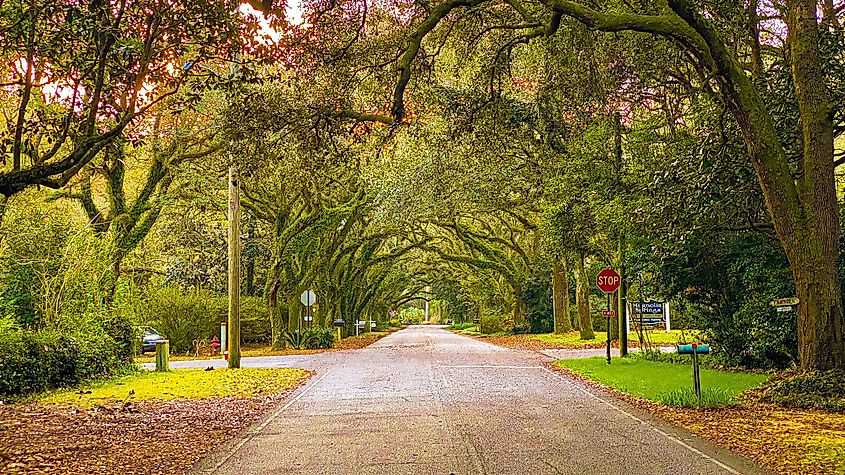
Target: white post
666	316
427	290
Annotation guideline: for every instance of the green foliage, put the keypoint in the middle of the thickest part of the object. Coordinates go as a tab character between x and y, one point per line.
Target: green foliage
711	398
255	320
725	286
33	361
320	337
310	339
411	315
657	381
462	326
823	390
183	317
495	323
538	299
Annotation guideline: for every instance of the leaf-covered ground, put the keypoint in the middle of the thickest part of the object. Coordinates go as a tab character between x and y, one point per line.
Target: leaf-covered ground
788	441
549	341
349	343
154	423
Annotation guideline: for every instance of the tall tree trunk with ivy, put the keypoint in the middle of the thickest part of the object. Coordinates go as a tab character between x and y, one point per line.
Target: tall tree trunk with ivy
582	298
560	298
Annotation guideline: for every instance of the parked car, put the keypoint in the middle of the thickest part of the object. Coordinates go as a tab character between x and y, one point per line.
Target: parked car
151	336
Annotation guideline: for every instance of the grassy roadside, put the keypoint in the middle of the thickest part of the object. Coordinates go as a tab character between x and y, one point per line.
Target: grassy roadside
143	422
788	441
573	341
183	384
664	383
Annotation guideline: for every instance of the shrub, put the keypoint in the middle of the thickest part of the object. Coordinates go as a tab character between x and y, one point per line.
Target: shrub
807	390
33	361
320	337
184	317
298	339
493	324
255	320
411	315
462	326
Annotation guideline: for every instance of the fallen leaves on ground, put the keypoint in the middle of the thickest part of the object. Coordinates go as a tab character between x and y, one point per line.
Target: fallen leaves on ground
789	441
250	350
161	437
361	341
530	342
182	384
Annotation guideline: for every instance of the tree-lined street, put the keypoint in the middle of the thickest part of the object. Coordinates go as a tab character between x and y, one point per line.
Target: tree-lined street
427	401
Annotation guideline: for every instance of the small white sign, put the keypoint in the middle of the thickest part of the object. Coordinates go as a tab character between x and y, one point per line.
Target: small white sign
308	298
308	318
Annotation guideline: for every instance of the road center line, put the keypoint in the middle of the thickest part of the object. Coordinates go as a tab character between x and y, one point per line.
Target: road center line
252	433
659	431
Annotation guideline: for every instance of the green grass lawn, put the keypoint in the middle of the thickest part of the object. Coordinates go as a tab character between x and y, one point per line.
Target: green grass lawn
180	384
663	383
657	337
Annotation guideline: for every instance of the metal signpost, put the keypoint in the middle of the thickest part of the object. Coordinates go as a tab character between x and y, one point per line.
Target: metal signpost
608	281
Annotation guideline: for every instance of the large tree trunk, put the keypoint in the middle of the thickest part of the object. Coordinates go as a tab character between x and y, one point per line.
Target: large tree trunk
518	311
560	299
582	298
813	256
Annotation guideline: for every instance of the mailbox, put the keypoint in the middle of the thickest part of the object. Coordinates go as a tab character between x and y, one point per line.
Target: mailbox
690	349
339	323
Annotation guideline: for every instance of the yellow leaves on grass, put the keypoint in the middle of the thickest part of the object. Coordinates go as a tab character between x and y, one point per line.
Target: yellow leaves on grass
191	384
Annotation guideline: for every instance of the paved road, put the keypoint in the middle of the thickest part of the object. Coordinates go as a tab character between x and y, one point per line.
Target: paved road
427	401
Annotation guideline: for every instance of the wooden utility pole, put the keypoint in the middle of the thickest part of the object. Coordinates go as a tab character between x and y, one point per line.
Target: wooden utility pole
622	294
234	268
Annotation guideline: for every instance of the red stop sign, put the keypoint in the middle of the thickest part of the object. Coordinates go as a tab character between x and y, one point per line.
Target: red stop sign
608	281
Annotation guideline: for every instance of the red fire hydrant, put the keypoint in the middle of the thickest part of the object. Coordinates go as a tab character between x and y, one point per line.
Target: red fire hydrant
215	345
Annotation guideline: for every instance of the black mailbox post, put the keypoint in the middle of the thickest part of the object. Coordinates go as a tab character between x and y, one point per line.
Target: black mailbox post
695	350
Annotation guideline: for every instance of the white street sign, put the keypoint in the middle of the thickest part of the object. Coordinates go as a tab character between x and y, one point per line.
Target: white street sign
308	298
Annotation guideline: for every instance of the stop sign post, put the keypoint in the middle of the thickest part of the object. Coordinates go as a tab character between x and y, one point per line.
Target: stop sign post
608	281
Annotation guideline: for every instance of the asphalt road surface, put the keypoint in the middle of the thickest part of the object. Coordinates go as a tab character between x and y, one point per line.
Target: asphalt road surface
427	401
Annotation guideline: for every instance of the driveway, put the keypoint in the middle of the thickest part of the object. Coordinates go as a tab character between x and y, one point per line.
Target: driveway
427	401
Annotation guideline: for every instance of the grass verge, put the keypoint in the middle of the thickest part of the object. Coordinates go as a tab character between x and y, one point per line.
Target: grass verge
788	441
183	384
137	423
664	383
657	337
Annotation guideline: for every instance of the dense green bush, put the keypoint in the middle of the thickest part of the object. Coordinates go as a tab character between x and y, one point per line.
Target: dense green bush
538	300
495	323
411	315
255	320
462	326
32	361
320	337
807	390
185	316
310	338
724	287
